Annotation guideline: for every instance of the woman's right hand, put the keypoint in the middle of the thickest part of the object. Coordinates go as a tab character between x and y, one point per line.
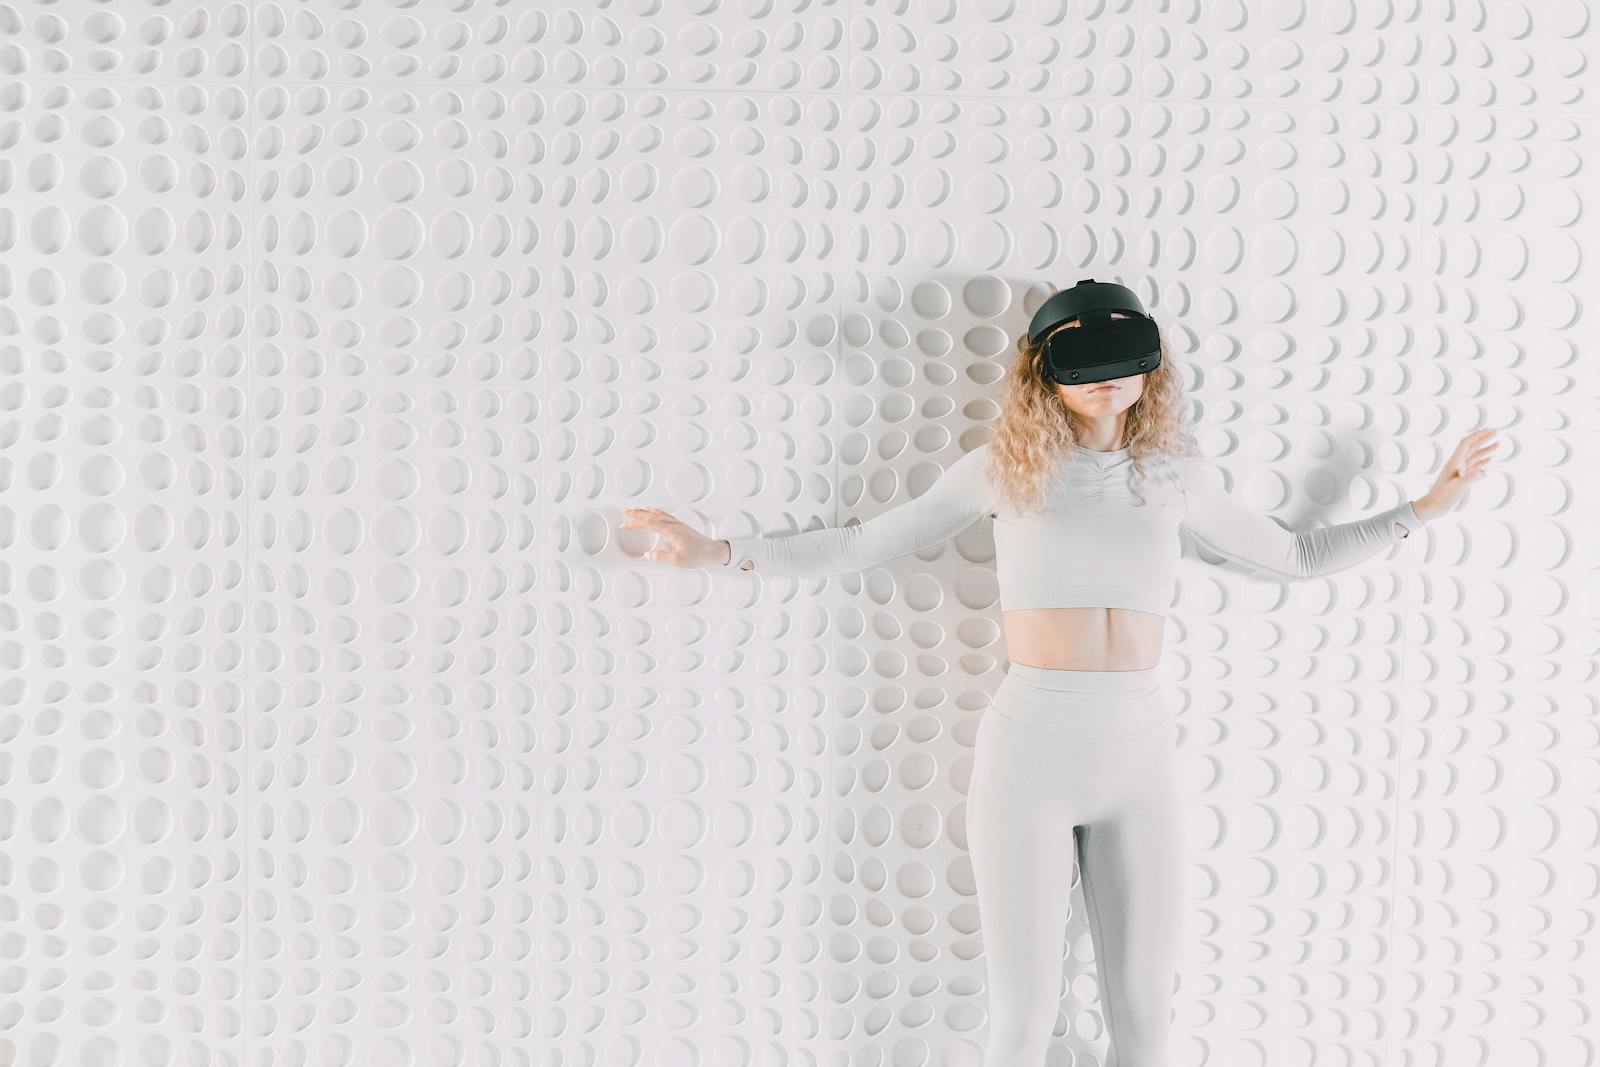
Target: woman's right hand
685	547
1464	466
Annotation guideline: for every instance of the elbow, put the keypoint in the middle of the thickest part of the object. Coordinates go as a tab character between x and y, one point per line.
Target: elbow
1296	566
1307	567
1290	572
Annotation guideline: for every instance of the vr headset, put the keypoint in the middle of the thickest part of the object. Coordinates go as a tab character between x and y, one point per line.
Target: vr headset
1100	347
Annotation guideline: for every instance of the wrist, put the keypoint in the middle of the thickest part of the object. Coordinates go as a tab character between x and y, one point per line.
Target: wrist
1426	509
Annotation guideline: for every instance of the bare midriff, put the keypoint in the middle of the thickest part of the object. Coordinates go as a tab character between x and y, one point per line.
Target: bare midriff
1084	639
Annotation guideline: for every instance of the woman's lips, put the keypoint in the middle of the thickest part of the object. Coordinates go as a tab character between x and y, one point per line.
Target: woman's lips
1098	388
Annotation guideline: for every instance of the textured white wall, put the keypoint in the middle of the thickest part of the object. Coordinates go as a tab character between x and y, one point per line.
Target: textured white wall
341	725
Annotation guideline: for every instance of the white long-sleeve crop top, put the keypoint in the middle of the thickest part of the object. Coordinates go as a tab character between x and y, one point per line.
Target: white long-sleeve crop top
1092	544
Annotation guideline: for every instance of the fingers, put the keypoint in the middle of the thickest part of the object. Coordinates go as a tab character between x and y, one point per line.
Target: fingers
1477	440
1471	450
1484	451
1478	450
646	519
660	523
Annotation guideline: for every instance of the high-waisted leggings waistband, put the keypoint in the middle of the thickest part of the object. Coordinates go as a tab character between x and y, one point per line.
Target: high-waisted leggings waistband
1069	681
1083	703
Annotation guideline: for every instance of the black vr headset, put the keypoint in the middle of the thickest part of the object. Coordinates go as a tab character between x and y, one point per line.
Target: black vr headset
1100	347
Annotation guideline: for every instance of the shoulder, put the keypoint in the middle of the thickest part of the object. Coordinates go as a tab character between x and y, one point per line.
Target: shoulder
1190	469
1192	473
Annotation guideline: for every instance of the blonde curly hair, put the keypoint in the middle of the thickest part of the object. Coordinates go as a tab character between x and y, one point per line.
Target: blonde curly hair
1036	432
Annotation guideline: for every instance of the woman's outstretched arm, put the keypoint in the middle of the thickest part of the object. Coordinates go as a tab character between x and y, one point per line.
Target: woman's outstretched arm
1230	529
957	499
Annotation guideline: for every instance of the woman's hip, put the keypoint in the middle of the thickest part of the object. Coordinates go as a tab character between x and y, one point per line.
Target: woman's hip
1075	749
1083	704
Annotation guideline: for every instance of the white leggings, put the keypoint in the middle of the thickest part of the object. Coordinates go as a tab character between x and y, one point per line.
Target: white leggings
1088	758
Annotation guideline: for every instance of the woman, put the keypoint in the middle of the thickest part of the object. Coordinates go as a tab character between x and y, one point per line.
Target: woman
1088	477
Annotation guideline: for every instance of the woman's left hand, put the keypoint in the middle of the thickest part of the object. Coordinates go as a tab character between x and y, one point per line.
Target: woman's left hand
1465	466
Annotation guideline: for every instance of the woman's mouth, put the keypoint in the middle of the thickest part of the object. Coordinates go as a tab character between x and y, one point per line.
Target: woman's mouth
1100	388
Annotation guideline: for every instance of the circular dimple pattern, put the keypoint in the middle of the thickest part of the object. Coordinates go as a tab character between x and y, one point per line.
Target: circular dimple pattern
125	465
125	857
301	296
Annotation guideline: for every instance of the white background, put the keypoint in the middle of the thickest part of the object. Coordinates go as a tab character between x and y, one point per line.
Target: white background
341	723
